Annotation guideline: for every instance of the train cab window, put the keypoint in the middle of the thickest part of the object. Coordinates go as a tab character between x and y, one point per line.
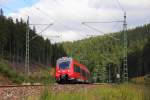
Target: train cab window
64	65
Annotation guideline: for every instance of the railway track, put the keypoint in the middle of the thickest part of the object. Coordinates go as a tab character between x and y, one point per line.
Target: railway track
4	86
1	86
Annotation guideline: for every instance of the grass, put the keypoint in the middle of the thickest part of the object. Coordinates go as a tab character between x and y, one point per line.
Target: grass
7	71
115	92
42	79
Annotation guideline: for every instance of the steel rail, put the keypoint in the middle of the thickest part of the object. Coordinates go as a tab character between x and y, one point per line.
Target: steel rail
5	86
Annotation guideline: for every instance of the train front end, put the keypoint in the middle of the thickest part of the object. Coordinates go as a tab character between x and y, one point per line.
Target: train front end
63	69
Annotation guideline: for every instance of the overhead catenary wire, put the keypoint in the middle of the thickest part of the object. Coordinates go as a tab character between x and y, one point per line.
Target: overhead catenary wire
122	8
114	21
44	14
55	20
104	21
84	23
56	2
37	15
27	3
38	24
41	31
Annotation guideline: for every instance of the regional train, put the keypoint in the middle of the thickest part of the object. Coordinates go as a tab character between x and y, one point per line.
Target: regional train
68	70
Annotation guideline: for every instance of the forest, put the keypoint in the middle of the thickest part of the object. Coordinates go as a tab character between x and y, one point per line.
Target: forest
13	43
104	55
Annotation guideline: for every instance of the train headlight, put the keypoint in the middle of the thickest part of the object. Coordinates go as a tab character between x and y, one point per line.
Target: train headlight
68	71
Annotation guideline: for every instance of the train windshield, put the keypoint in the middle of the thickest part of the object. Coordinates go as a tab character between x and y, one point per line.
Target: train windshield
64	65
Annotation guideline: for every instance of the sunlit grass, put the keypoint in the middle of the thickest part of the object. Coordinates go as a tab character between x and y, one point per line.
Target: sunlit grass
114	92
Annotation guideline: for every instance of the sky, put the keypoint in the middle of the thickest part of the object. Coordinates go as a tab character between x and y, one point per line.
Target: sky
69	16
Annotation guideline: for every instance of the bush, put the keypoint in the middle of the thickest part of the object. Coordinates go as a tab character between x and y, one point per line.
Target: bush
7	71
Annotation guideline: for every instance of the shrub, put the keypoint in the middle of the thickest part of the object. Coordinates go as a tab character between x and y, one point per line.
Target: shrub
7	71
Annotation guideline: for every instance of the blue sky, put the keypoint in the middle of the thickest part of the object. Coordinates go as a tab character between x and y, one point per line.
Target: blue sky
11	6
67	15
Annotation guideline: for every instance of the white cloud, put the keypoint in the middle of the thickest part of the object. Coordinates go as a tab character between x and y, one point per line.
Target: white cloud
5	1
67	16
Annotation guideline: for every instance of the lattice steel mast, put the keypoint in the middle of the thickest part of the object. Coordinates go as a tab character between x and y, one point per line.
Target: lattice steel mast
27	49
28	39
125	60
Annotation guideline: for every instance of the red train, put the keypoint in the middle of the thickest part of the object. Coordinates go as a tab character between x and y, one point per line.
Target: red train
69	70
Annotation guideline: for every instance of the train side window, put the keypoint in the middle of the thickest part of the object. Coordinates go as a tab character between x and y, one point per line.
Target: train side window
76	69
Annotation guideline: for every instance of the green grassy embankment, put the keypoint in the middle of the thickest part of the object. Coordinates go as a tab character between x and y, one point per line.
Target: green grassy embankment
7	72
114	92
10	76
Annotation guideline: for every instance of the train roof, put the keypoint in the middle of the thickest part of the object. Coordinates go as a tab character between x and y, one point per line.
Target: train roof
65	58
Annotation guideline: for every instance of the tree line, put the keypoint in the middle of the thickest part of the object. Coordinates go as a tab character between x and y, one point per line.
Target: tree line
13	43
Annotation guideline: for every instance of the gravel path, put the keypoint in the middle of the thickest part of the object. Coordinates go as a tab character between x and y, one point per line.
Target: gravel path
21	93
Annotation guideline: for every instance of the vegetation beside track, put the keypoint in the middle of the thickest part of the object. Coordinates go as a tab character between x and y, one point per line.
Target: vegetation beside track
9	73
101	92
100	52
141	80
43	54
